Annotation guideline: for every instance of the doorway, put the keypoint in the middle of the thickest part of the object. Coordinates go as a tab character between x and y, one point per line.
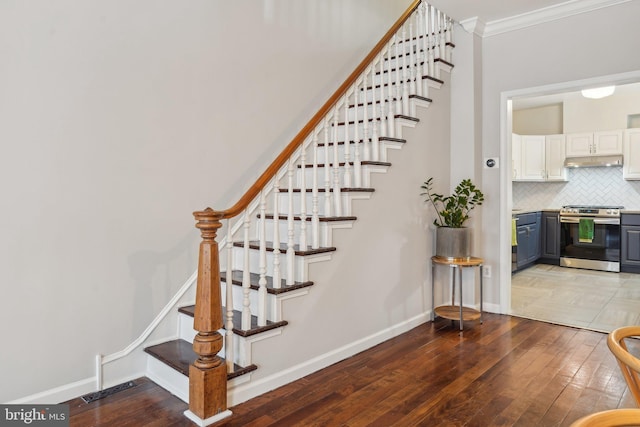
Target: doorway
532	96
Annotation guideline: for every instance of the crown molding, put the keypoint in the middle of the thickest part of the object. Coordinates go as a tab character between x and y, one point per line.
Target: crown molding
535	17
474	25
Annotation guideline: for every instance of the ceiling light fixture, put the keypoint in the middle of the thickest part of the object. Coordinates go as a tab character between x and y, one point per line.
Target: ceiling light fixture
598	92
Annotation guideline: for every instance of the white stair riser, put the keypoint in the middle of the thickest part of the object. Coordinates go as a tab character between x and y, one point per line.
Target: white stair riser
300	272
345	197
238	299
366	170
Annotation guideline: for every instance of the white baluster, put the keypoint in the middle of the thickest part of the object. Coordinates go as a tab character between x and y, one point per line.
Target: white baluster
357	170
405	72
449	39
347	142
246	277
430	40
337	202
419	54
315	218
303	200
262	282
327	176
228	335
412	79
276	233
436	42
391	126
366	144
291	253
441	22
378	120
399	70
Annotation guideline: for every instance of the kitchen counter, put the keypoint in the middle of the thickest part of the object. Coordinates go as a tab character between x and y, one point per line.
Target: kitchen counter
526	211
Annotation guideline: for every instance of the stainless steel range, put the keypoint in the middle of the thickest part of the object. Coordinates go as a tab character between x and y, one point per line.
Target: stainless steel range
590	237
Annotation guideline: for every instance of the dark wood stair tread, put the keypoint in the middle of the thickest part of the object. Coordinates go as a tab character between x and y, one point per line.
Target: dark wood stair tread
254	244
321	218
341	164
237	322
396	116
361	104
322	190
237	275
179	355
382	138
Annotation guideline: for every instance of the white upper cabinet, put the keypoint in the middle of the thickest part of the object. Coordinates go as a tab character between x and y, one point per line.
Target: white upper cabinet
516	156
555	156
608	142
533	157
631	168
538	157
579	144
604	143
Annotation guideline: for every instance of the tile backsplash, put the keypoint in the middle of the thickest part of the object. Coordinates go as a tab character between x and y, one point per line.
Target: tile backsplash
585	186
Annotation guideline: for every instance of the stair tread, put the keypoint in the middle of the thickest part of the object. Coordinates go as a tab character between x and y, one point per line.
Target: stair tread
322	190
254	244
362	162
395	116
237	322
381	138
361	104
321	218
237	275
439	81
179	355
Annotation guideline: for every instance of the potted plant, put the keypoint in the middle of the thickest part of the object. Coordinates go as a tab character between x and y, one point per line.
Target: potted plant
453	240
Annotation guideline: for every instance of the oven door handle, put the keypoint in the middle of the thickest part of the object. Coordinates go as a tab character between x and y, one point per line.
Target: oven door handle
603	221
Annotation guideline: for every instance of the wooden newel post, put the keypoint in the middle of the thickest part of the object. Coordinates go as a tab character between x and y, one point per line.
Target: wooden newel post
208	374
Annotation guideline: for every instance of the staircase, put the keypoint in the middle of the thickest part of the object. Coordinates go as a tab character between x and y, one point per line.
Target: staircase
286	222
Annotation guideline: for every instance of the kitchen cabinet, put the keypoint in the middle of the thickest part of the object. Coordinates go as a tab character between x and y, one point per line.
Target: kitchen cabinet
533	157
630	243
555	154
631	146
528	238
550	235
516	157
538	157
605	143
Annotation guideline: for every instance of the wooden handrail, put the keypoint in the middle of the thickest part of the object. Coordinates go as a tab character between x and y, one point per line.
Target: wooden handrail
273	168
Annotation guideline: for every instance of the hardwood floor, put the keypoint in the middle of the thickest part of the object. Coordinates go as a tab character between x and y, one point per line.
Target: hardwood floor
508	371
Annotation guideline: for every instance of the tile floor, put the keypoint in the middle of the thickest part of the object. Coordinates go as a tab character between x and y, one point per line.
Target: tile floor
595	300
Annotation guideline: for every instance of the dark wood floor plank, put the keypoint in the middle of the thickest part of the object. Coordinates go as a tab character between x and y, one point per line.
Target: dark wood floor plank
508	371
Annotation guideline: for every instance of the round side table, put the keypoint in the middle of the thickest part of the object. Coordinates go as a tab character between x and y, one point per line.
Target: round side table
453	311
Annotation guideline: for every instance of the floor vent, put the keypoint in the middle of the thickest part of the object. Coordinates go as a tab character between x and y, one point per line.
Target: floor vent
108	392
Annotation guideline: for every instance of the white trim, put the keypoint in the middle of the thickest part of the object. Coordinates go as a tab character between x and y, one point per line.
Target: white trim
166	310
536	17
255	388
59	394
207	422
474	25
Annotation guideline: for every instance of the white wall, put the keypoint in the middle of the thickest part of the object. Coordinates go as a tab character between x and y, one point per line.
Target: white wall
117	120
587	115
545	120
592	44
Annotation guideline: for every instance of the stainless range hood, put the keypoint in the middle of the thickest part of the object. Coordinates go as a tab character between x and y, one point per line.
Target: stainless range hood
593	161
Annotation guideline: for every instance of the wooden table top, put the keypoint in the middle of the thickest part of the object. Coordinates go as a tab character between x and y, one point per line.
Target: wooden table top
462	262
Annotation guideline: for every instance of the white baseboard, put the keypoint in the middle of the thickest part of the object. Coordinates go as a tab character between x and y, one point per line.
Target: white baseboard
59	394
255	388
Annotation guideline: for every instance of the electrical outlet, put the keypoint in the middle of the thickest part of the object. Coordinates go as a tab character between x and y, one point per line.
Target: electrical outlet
486	271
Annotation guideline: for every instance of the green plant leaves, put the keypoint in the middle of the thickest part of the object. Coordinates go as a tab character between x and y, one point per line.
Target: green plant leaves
453	211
